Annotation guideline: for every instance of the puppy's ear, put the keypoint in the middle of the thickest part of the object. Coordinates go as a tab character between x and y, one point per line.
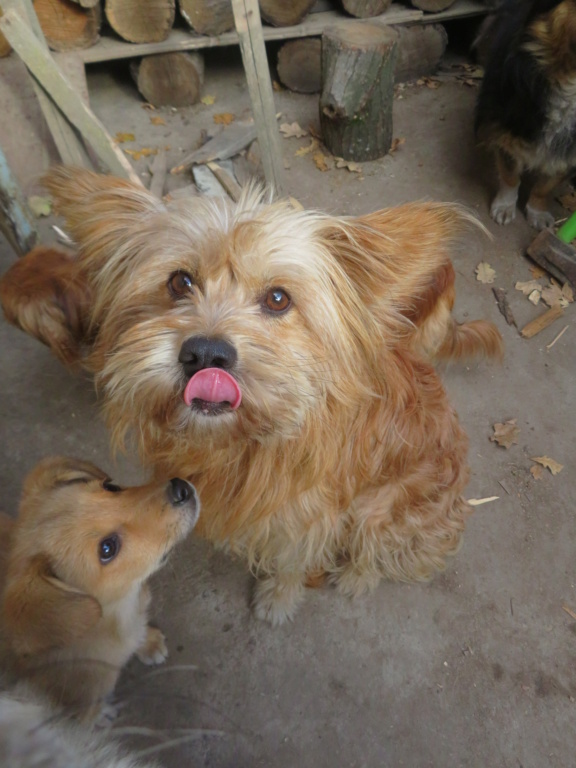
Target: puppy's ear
41	612
100	211
45	293
398	253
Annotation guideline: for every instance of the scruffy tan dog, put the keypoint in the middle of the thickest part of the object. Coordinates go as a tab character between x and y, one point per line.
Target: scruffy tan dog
279	359
76	560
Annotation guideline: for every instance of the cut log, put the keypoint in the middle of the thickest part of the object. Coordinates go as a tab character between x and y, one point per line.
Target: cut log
358	90
432	6
170	79
300	65
281	13
420	49
363	9
141	22
208	17
67	26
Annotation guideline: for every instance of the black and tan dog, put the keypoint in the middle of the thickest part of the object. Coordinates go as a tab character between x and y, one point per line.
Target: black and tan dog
526	112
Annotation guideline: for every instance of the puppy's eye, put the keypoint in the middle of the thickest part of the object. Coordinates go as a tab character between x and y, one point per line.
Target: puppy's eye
277	300
108	485
180	284
108	548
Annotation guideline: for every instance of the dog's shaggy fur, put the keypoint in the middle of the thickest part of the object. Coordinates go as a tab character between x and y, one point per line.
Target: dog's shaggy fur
526	112
76	560
343	456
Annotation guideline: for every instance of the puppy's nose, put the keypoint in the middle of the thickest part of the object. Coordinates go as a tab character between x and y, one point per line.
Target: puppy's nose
200	352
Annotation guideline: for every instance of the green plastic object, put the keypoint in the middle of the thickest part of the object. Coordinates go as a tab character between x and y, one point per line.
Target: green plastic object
567	231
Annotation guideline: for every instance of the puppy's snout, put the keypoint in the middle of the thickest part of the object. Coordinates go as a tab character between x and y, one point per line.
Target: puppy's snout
200	352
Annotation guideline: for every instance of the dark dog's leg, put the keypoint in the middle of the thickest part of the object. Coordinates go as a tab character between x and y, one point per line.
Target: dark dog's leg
503	208
537	207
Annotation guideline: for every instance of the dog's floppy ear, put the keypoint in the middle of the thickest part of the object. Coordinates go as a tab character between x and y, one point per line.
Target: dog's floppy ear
45	293
100	211
397	252
41	612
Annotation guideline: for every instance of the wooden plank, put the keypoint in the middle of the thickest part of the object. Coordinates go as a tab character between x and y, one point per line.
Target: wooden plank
228	143
541	322
42	66
16	221
227	180
181	40
159	171
67	140
249	29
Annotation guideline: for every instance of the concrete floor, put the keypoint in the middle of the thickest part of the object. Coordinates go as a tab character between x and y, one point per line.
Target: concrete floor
475	669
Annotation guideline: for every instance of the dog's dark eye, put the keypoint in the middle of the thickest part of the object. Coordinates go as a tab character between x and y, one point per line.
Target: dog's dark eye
180	284
108	485
277	300
108	548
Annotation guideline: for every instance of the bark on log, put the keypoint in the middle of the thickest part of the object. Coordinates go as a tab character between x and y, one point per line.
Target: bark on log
285	13
358	89
141	22
170	79
432	6
300	65
208	17
364	9
67	26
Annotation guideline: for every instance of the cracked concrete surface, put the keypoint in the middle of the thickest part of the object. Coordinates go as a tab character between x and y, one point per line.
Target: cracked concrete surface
476	668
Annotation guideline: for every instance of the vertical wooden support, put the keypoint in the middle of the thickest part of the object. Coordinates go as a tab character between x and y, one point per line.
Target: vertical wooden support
249	29
67	140
15	218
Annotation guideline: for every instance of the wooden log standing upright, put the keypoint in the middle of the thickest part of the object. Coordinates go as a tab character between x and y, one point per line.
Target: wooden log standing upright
300	65
170	79
208	17
285	13
141	22
68	26
363	9
358	90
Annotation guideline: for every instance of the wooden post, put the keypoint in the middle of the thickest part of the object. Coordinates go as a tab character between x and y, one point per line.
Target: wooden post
15	218
249	29
358	90
45	71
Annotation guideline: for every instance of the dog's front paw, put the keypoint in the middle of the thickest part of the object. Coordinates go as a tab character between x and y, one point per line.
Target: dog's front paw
502	211
276	599
352	582
539	219
153	650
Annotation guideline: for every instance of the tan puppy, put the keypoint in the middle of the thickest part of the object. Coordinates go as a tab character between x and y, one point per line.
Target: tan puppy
278	359
75	599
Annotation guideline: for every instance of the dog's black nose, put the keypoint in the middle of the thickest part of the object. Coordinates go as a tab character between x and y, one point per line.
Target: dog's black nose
200	352
181	491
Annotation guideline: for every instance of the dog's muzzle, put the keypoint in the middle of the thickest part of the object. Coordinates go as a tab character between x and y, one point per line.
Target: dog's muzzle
199	352
211	389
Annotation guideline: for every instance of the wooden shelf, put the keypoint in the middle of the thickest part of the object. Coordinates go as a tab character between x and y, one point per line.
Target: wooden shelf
109	48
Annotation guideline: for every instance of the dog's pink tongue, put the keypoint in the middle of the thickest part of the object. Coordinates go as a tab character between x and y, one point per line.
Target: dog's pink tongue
214	386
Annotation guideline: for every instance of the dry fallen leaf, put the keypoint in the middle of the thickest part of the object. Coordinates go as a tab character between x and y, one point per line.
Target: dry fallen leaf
224	118
568	201
396	144
122	137
349	164
151	107
157	120
555	296
305	150
537	271
537	471
208	100
292	130
136	154
40	206
528	286
276	86
485	273
323	162
550	464
505	434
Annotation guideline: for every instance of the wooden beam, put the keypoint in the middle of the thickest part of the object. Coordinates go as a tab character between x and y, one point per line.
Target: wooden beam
43	68
249	29
67	140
